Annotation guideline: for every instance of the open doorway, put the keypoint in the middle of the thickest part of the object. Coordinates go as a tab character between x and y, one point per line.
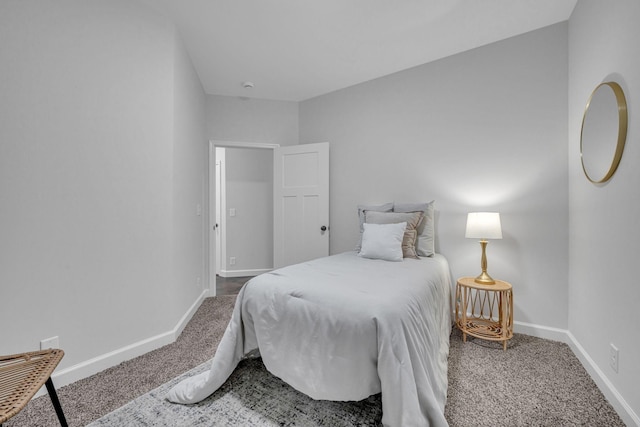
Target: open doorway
241	210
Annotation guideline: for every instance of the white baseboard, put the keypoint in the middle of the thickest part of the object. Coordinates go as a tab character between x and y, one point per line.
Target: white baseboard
244	273
100	363
546	332
616	400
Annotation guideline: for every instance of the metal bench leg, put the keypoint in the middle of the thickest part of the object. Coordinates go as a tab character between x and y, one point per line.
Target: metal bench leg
56	403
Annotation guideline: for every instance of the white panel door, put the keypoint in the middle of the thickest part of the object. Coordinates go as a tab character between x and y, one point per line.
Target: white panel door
301	203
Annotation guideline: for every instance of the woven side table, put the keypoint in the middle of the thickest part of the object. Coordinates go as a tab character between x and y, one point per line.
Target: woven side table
484	311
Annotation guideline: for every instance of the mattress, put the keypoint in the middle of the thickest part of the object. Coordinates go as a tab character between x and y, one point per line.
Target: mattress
343	328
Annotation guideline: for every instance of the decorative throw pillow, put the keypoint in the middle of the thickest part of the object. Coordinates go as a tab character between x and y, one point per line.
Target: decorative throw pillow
386	207
382	241
426	234
413	220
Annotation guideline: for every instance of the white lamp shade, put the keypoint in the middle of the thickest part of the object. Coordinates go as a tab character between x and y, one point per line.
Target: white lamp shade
483	225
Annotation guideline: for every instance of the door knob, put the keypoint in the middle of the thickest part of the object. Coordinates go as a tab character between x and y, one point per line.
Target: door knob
323	228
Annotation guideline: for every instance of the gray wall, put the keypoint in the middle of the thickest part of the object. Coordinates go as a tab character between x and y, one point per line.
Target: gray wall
603	241
481	130
190	164
250	192
252	120
101	148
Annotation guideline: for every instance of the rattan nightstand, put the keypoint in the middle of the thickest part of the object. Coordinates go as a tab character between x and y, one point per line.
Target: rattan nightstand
484	311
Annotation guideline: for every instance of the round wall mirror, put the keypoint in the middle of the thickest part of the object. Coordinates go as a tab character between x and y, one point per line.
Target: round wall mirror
604	131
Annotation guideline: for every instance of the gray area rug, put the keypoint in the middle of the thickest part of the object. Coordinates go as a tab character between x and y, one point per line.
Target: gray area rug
536	382
250	397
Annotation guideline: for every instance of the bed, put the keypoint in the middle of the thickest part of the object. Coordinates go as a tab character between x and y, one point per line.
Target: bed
343	328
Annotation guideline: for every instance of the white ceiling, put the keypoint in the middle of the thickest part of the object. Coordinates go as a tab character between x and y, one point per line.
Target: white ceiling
298	49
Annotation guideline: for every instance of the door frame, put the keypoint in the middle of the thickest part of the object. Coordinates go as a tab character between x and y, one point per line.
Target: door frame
211	231
220	195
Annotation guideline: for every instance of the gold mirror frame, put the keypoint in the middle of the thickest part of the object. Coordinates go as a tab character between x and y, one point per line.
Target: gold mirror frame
622	131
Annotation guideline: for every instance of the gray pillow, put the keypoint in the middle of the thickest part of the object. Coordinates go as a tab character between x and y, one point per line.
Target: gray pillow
386	207
426	232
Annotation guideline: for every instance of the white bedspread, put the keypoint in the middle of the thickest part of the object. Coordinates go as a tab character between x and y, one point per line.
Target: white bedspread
344	328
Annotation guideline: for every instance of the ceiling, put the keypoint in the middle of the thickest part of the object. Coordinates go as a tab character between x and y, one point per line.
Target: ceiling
298	49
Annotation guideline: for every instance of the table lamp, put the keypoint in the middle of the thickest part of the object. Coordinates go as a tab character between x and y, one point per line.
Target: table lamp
483	226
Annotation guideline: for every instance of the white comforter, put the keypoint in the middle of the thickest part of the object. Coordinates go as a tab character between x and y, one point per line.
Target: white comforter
344	328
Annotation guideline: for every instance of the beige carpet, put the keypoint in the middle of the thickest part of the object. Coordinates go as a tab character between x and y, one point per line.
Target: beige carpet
534	383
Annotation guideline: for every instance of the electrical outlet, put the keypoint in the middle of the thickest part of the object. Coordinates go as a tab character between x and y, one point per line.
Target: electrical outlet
614	355
198	283
53	342
232	260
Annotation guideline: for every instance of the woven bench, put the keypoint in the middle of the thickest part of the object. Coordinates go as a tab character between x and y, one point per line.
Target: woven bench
22	375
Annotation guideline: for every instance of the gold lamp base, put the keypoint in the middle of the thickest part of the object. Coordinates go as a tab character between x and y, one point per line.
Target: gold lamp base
484	278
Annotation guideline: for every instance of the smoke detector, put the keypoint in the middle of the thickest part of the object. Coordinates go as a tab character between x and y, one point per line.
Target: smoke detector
247	85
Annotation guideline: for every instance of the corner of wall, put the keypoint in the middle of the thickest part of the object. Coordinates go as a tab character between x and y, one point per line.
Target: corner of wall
607	388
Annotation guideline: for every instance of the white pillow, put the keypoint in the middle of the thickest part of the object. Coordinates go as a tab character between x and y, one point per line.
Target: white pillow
382	241
413	220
